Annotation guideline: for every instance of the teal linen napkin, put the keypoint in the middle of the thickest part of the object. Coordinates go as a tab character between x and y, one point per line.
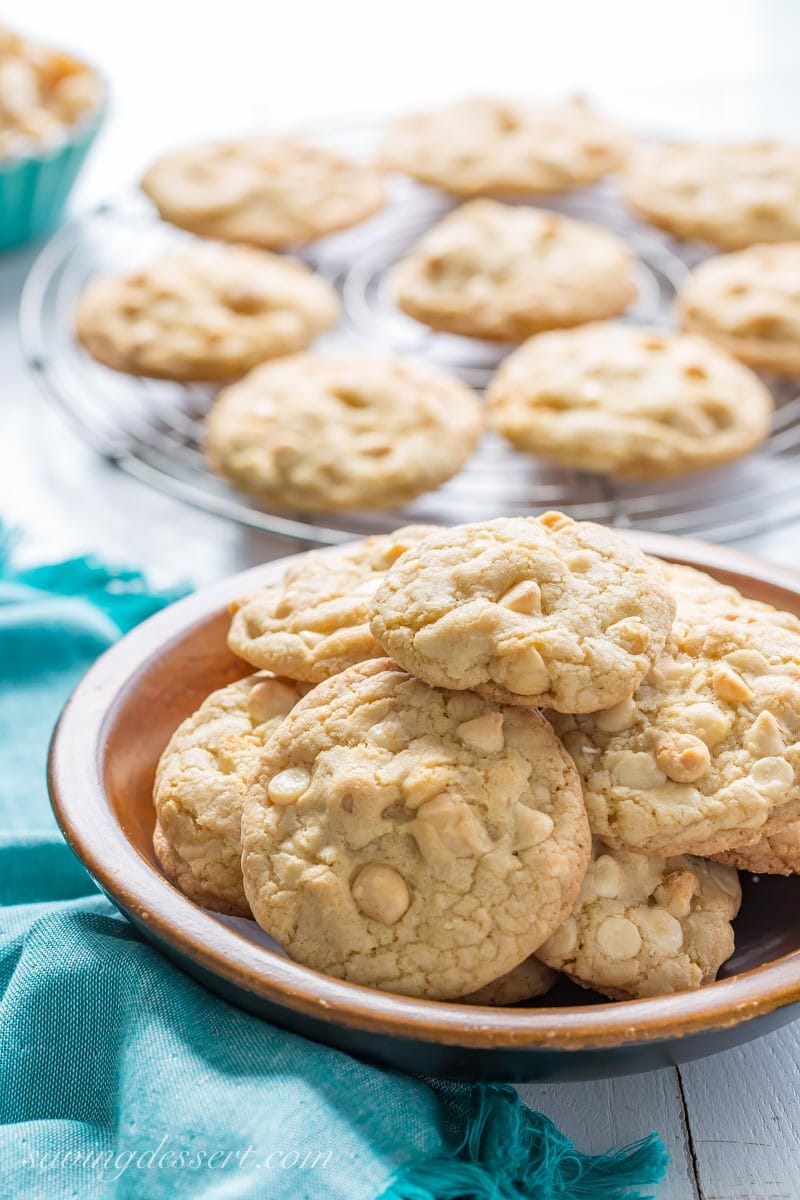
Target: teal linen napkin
120	1077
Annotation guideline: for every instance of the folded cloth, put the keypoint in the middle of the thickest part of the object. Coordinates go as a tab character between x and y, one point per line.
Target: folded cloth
121	1077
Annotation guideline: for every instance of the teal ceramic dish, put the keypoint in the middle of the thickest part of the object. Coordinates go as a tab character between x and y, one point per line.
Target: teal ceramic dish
34	185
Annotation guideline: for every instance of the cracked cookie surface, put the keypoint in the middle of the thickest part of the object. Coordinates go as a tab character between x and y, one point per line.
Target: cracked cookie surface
503	272
273	192
706	756
485	146
327	434
205	313
749	302
729	195
645	925
629	402
419	841
538	611
315	622
200	783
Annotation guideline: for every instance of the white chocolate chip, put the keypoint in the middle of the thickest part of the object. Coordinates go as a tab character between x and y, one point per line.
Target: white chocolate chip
726	878
607	877
521	669
389	735
270	698
729	685
446	828
772	776
524	597
618	718
764	739
751	661
661	928
484	733
631	633
531	827
381	893
639	770
562	943
288	786
619	938
710	722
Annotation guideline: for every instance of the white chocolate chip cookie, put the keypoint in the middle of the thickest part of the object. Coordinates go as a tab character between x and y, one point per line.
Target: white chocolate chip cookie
644	925
730	195
201	780
537	611
273	192
773	854
629	402
483	146
326	434
694	589
496	271
315	622
415	840
525	982
206	313
706	756
749	302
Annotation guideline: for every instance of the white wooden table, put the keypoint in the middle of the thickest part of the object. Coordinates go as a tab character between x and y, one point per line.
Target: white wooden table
732	1122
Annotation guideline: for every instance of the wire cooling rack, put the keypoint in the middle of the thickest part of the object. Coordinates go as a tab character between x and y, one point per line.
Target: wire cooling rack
153	430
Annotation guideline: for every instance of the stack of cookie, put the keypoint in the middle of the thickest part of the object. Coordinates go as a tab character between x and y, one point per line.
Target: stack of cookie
473	757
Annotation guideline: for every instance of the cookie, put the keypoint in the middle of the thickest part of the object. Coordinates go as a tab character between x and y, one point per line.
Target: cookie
730	195
326	434
273	192
694	589
484	146
749	302
629	402
525	982
200	783
210	312
419	841
706	756
773	854
646	925
315	622
536	611
501	272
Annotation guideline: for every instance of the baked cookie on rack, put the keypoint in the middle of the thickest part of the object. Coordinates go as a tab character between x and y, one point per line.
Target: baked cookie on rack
415	840
315	622
502	272
485	146
629	402
646	925
326	434
274	192
200	783
705	757
207	312
730	195
536	611
749	302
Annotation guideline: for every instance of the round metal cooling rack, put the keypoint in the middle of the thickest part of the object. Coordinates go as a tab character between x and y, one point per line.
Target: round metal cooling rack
153	430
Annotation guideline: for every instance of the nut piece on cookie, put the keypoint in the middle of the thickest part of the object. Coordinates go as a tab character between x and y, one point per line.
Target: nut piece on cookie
773	854
645	925
327	434
749	303
398	863
628	402
528	981
315	623
708	757
536	611
211	312
484	146
200	783
730	195
502	272
274	192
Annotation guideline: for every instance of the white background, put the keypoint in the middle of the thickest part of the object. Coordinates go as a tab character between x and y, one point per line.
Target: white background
179	71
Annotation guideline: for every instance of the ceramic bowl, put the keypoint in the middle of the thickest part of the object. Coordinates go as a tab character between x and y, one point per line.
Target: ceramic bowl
102	761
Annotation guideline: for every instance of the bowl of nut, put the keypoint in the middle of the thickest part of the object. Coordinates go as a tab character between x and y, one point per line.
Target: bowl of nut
511	800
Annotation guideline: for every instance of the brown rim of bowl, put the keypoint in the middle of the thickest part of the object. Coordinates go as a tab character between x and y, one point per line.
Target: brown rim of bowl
92	830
